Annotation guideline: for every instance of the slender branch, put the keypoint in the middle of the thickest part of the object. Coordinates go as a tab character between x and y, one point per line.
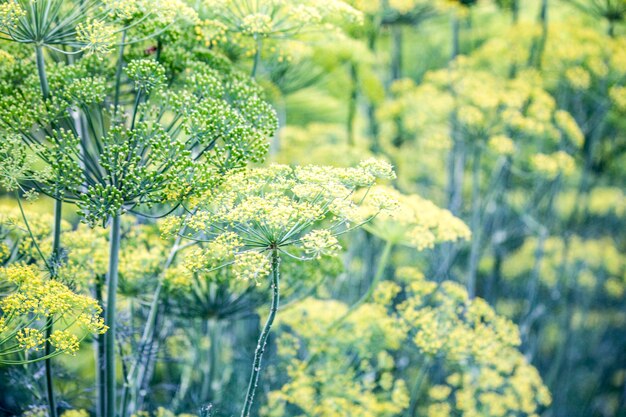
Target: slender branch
56	244
118	72
109	337
41	69
257	58
475	225
262	342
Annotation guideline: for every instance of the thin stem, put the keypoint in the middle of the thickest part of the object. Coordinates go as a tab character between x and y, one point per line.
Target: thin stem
56	249
148	331
262	342
118	71
352	102
475	225
109	337
41	69
456	38
52	408
257	58
56	244
99	352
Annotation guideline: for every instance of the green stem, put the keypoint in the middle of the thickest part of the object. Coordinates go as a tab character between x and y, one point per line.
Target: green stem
257	58
56	244
41	69
99	351
475	225
147	337
456	38
109	337
56	249
52	408
352	102
118	71
262	342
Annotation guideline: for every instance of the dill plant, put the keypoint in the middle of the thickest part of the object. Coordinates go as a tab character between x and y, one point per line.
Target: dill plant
178	134
261	215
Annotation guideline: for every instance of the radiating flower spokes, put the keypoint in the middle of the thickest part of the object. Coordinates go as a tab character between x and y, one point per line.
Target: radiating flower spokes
298	211
87	26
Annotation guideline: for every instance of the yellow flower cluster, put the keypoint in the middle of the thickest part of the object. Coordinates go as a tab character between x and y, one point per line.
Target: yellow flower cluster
96	35
569	127
470	105
550	166
275	22
320	242
256	24
10	12
352	371
251	266
32	300
447	323
599	263
333	384
165	12
64	341
502	145
75	413
30	339
301	208
15	231
506	386
413	221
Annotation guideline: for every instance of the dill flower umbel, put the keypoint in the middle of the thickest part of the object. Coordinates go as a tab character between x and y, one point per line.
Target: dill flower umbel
32	301
300	209
414	221
255	217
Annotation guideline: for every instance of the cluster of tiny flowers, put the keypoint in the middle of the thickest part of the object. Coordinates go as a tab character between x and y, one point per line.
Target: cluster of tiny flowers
502	145
147	75
64	341
320	242
251	266
75	413
447	323
601	263
414	221
36	298
17	164
121	9
485	110
278	207
278	18
10	12
97	36
329	385
256	24
554	164
30	339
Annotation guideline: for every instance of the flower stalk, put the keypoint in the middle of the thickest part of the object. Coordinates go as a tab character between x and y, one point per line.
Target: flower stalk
56	246
109	338
262	342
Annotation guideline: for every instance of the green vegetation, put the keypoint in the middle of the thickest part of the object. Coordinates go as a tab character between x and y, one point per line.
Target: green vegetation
290	208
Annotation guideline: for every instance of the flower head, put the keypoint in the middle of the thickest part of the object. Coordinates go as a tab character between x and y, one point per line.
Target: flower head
302	208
